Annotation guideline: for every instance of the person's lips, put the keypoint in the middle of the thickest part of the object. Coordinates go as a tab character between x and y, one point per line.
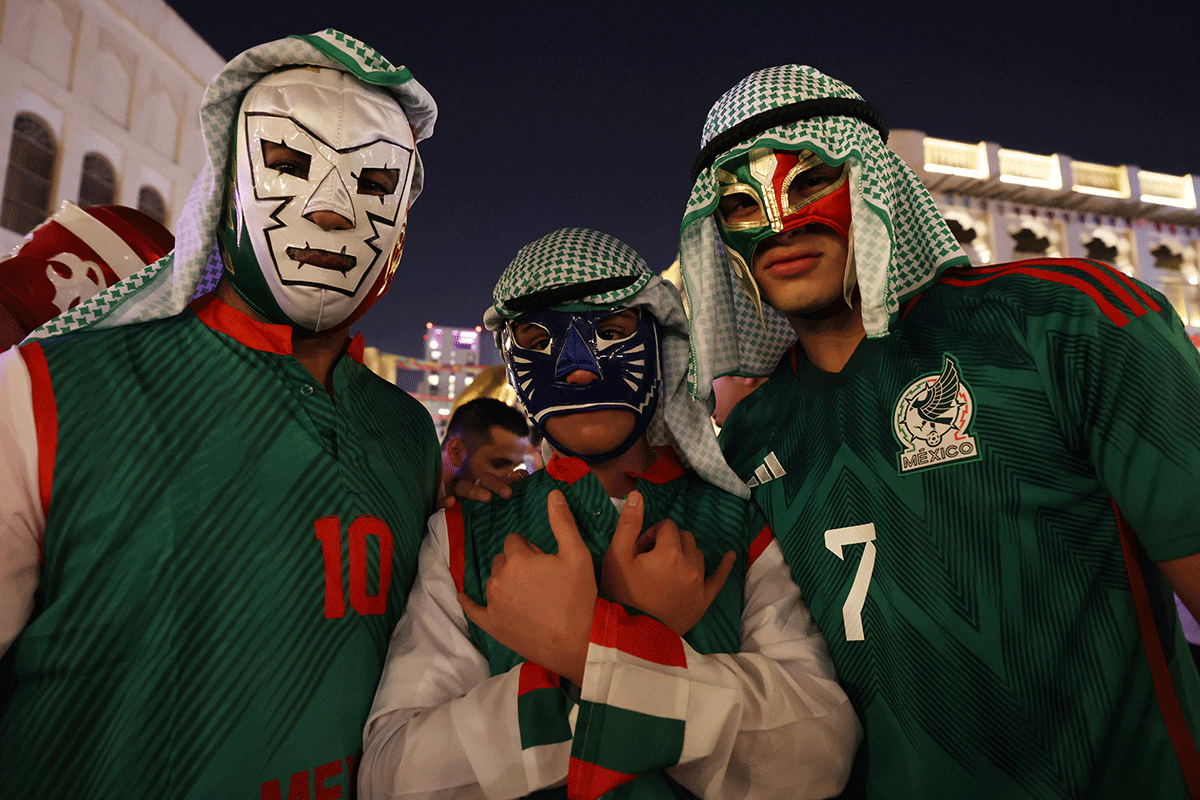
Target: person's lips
325	259
790	262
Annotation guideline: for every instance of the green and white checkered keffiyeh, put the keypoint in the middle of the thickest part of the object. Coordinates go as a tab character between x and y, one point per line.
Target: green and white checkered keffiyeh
164	288
577	255
899	244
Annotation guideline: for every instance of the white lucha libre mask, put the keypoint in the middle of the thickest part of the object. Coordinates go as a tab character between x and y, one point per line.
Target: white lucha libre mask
324	166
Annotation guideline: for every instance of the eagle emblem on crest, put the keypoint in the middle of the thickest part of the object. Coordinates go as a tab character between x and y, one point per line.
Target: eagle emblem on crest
931	420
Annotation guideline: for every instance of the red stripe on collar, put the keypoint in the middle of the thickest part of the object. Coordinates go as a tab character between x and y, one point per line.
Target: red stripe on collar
567	468
222	317
357	345
664	469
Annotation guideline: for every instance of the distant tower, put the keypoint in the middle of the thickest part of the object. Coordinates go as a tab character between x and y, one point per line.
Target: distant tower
455	351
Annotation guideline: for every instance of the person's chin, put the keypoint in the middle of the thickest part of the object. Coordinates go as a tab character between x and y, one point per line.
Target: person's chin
591	433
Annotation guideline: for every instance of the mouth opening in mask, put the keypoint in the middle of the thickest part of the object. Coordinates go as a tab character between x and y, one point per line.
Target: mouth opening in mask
325	259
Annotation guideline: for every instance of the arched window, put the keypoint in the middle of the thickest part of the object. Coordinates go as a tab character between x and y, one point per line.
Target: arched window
31	158
151	204
98	186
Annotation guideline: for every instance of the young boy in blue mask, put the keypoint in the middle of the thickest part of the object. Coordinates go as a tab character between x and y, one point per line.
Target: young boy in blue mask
542	650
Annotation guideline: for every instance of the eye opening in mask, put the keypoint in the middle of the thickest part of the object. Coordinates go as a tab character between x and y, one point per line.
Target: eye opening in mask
530	336
617	327
808	183
740	205
378	181
281	158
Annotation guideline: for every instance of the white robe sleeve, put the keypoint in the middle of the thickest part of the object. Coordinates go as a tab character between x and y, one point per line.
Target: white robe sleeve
22	522
769	721
441	725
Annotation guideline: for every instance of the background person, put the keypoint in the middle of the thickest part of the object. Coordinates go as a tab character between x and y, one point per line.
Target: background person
483	437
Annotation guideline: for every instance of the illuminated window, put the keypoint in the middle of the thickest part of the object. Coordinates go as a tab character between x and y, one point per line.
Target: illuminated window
98	186
31	158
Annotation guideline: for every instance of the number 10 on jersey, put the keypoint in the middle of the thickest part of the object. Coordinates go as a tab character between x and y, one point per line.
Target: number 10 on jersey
329	532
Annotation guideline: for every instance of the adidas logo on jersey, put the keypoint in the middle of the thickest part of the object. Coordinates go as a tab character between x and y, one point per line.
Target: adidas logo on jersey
931	419
768	470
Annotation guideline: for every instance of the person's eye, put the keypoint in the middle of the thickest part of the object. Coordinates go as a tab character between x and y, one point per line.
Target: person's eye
740	207
618	326
378	181
286	160
531	336
812	181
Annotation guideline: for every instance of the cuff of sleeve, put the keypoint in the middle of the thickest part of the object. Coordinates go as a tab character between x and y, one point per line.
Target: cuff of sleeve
544	717
633	702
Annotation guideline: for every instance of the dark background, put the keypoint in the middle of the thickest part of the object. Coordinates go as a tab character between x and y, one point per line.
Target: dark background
589	114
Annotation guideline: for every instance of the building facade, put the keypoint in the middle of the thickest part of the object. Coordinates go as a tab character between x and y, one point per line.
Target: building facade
100	104
1007	205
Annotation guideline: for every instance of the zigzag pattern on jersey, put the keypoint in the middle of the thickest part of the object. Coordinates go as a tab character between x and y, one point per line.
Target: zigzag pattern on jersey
1114	292
968	599
183	580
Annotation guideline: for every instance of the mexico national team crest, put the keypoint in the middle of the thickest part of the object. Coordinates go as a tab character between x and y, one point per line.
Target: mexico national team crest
932	418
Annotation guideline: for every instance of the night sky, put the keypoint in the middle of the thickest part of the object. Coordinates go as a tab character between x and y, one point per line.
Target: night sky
591	116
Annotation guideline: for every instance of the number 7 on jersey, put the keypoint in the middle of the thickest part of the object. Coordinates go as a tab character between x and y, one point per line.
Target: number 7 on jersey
835	540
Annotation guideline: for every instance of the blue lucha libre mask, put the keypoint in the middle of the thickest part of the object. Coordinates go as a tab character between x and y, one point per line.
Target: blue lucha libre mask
544	348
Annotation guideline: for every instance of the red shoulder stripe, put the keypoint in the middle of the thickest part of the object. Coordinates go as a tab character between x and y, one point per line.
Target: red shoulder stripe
1114	280
45	417
976	276
458	543
1137	289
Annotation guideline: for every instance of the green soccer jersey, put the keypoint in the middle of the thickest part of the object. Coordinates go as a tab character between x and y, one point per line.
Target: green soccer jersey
946	504
227	550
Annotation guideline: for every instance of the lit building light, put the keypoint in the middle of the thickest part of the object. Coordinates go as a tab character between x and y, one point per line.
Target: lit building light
1030	169
956	158
1167	190
1100	180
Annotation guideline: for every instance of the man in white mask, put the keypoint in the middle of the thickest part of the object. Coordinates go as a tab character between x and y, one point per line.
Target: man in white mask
322	174
209	520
